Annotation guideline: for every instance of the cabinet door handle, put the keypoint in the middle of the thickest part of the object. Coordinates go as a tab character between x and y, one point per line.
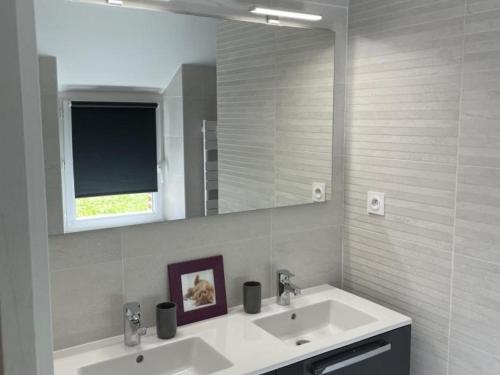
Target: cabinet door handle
337	362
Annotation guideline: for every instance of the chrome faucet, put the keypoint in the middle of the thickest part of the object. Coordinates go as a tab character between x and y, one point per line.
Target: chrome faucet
285	287
132	325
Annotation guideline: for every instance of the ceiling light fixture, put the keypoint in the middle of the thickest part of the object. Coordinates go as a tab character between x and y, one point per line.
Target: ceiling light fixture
285	14
115	2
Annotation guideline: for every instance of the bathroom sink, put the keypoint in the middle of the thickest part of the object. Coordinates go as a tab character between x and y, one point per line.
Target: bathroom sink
192	356
315	322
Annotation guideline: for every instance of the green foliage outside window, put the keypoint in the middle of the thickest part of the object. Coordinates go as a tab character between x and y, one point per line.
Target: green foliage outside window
113	205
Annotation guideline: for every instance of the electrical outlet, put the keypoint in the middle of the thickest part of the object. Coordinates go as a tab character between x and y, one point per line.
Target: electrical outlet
375	203
318	192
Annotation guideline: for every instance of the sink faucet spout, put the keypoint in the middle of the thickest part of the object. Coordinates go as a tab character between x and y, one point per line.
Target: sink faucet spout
285	287
292	288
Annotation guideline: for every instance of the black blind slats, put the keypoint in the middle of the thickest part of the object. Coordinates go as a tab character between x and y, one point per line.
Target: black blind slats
114	148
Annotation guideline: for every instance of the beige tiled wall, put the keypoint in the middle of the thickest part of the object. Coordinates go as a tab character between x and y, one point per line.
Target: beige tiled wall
94	273
423	126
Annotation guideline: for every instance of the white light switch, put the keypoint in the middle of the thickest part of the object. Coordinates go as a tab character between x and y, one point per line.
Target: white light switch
375	203
318	192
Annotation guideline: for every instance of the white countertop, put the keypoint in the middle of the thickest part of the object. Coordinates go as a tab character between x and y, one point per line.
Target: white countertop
252	350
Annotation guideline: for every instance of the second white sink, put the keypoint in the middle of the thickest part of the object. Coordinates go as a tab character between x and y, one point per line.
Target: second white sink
192	356
315	322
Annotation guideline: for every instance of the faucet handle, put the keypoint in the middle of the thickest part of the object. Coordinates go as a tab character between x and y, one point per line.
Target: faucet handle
284	275
285	272
132	311
132	306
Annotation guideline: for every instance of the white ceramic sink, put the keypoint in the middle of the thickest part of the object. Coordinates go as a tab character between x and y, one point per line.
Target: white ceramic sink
240	343
192	356
315	322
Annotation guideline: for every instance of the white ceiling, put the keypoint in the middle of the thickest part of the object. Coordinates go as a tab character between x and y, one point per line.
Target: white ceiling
108	46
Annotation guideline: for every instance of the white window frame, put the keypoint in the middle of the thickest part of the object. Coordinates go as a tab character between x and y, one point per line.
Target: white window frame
71	222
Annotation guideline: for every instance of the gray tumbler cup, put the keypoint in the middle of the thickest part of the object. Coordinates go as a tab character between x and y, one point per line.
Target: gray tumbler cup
252	295
166	320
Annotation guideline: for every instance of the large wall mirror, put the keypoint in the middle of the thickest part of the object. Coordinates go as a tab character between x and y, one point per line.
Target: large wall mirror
152	116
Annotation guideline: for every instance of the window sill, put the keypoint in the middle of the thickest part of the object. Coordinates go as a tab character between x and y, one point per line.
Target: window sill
83	225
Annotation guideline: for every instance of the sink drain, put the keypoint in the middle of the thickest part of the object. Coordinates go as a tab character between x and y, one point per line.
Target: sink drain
302	342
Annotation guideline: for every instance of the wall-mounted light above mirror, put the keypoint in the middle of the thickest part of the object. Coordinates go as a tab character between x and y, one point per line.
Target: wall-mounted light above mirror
284	14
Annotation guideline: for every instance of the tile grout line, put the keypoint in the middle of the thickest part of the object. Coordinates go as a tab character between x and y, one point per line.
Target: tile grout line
343	158
271	253
271	241
123	266
453	246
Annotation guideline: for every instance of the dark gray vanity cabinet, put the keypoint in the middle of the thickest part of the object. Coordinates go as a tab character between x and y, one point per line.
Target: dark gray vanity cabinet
385	354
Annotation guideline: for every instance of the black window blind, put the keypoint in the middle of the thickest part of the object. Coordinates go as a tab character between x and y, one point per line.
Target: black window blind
114	148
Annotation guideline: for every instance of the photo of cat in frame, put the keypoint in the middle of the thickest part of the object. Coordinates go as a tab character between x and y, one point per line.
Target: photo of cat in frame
198	289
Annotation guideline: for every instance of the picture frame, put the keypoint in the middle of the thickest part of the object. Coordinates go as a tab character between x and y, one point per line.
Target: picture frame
198	288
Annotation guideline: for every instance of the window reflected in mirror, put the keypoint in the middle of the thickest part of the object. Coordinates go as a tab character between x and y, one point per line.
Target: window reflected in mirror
156	116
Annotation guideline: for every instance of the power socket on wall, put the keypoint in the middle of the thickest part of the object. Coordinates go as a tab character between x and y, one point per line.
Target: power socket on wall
375	203
318	192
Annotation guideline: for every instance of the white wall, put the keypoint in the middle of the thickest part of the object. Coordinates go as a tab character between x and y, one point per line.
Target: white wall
24	292
51	143
199	102
173	117
112	46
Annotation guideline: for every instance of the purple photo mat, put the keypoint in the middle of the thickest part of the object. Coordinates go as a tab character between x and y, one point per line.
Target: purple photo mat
176	270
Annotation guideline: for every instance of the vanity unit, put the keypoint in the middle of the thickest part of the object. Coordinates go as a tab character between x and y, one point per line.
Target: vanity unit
387	354
324	331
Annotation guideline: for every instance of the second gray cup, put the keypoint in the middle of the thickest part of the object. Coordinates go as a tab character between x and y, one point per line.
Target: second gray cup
252	296
166	320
